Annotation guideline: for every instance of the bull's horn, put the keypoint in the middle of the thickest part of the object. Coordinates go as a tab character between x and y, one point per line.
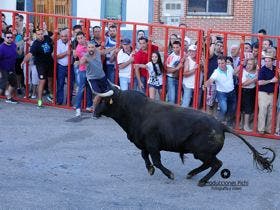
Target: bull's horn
112	84
106	94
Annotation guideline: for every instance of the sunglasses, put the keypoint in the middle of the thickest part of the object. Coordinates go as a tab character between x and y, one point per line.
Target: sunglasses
9	37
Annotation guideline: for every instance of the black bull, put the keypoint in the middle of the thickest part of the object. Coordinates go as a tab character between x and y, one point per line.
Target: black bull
154	126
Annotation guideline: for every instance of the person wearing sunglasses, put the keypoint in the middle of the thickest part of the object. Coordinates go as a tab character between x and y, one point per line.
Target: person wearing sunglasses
8	55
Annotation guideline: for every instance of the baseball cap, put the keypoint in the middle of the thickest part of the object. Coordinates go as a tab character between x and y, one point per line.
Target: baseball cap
126	41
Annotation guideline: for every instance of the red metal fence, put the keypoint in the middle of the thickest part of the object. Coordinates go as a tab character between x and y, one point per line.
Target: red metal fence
159	33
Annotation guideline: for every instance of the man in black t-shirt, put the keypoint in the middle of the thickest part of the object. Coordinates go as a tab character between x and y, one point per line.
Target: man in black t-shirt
41	50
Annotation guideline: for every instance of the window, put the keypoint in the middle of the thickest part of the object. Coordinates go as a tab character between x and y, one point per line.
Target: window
20	5
209	7
113	9
173	6
172	10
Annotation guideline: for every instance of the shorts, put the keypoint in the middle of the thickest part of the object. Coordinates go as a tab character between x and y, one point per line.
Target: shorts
157	87
248	100
7	78
211	95
44	70
99	85
33	74
18	68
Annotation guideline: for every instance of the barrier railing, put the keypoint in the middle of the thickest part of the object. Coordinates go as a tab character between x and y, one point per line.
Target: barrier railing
156	33
243	37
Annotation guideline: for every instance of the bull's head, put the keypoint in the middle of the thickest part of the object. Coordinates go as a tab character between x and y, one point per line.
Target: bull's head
109	100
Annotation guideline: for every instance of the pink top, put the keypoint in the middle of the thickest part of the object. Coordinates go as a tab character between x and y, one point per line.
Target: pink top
81	50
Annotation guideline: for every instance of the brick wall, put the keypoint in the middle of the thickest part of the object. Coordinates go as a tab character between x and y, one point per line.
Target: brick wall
240	20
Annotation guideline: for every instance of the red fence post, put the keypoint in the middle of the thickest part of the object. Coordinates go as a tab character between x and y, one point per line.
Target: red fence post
208	40
182	56
134	40
26	64
239	92
55	59
166	38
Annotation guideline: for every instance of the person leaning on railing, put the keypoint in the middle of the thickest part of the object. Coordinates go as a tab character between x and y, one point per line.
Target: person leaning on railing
266	82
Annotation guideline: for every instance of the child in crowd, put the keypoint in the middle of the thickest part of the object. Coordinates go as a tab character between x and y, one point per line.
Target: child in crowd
155	69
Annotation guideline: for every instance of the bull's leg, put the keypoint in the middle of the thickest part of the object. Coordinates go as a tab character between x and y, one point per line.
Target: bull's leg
149	166
155	155
215	164
201	168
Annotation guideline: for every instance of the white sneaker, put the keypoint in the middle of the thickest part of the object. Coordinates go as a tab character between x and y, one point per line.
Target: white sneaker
78	112
247	129
89	109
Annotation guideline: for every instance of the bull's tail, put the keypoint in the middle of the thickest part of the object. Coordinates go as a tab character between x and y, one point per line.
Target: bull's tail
262	162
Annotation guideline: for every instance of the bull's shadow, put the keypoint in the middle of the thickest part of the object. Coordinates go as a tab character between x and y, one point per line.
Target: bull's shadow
78	119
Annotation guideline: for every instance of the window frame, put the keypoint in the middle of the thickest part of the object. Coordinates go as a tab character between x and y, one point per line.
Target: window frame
228	13
17	5
123	10
169	14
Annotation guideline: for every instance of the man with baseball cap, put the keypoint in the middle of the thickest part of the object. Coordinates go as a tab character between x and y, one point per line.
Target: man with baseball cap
125	59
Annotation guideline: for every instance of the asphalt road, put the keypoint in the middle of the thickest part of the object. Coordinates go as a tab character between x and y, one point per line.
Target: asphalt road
49	160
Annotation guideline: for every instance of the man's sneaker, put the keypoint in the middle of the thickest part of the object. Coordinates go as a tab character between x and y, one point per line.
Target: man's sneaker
33	97
89	109
78	113
11	101
40	103
50	98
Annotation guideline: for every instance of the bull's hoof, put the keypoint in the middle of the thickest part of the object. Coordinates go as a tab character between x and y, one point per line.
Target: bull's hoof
171	176
201	183
151	170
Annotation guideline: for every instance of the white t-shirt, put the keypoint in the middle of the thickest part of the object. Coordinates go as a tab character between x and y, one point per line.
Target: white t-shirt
189	81
62	48
122	58
172	61
154	79
246	75
223	79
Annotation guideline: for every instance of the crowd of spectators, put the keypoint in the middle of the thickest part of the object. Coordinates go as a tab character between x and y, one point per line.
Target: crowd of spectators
93	62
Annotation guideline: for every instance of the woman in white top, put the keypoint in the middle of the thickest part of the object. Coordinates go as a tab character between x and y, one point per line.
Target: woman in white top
249	79
190	67
155	69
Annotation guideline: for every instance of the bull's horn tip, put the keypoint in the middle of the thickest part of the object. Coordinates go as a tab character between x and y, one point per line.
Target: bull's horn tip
108	93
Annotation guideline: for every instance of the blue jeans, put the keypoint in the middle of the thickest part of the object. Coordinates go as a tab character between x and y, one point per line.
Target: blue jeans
124	83
227	103
62	72
172	88
110	72
188	96
82	83
144	82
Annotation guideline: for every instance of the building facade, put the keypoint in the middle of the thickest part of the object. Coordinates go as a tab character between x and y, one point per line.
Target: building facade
245	16
124	10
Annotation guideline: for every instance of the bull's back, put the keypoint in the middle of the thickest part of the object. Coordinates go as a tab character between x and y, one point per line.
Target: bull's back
176	127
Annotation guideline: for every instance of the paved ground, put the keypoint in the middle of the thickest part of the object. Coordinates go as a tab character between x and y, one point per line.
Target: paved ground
50	161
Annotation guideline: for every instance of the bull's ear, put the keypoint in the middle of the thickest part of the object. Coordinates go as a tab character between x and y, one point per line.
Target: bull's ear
111	101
